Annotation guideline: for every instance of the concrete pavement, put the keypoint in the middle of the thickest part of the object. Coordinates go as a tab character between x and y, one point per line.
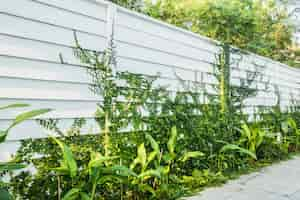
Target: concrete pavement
277	182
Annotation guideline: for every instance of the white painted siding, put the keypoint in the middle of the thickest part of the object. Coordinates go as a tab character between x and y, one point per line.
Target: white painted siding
34	32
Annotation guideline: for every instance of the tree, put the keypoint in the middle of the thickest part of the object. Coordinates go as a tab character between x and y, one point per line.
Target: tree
259	26
130	4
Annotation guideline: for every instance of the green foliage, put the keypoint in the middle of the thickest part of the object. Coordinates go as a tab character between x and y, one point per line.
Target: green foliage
236	148
291	132
68	164
130	4
252	137
259	26
10	166
200	179
14	106
97	171
191	154
232	22
27	115
4	194
52	125
159	167
42	184
20	118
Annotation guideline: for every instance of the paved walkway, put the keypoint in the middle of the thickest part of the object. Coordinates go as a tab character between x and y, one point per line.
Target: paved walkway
278	182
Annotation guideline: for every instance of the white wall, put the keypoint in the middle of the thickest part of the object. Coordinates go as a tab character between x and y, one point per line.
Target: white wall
293	7
34	32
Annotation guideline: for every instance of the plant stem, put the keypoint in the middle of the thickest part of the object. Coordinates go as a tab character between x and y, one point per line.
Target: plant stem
93	191
58	188
224	78
121	184
106	135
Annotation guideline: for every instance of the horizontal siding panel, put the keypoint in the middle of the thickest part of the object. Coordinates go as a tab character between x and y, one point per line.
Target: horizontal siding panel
84	7
8	149
130	51
147	68
124	34
154	67
146	24
246	65
14	88
13	67
66	109
21	27
34	69
48	14
21	47
19	88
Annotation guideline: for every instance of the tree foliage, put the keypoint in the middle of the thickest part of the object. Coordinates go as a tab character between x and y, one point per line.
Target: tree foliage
130	4
259	26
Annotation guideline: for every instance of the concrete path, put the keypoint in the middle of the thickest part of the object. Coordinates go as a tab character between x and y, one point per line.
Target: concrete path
278	182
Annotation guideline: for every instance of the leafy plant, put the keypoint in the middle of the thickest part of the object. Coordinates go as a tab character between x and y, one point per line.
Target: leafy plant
20	118
236	148
52	125
164	171
252	137
97	171
10	166
291	132
200	179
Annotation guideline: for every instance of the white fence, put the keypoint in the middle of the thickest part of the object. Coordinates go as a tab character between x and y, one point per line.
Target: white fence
34	32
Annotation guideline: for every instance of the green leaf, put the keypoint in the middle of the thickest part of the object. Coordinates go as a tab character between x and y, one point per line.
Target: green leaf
155	147
4	194
68	158
285	127
291	122
149	174
109	178
84	196
141	157
164	169
147	188
27	115
97	160
233	147
246	131
168	157
94	174
3	135
153	143
10	166
172	140
260	137
191	154
121	170
17	105
151	156
62	170
72	194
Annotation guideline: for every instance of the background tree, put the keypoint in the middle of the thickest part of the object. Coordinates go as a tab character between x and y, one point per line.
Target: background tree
262	27
130	4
